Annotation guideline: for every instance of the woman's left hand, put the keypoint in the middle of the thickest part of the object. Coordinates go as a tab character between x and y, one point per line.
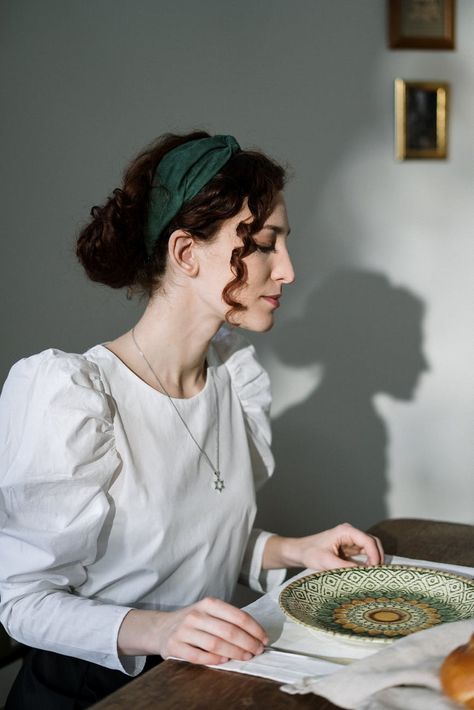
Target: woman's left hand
326	550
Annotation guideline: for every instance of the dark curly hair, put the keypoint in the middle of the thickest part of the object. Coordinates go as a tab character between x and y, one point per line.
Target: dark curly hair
111	247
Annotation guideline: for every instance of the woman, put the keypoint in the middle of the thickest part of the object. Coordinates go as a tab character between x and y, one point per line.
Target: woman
129	473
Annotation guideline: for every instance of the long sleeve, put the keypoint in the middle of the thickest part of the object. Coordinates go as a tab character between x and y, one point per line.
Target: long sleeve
57	460
252	574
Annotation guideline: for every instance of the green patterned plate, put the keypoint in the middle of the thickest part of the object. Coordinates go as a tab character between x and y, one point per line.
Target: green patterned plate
378	604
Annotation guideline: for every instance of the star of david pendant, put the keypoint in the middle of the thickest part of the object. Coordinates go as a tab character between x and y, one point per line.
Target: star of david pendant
218	482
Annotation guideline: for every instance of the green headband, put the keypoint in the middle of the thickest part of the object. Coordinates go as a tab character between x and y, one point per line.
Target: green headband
180	175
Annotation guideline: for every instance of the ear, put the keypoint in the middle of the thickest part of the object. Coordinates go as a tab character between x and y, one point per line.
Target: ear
182	252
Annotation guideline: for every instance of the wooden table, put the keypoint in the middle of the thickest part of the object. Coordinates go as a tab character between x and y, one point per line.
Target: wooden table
174	685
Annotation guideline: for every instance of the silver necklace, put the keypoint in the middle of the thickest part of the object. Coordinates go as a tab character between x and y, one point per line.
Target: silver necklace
218	480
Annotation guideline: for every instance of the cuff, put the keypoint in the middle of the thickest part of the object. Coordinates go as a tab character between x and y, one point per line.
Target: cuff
132	665
252	574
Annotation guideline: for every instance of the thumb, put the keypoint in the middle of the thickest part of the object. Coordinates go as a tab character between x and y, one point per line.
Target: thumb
335	562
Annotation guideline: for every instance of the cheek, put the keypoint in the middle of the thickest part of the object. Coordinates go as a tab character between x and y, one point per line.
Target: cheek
258	272
216	277
217	266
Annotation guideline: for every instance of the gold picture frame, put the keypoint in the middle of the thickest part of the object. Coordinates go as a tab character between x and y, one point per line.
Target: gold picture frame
421	120
421	24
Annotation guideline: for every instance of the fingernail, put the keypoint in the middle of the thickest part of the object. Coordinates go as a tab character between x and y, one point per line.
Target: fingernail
261	649
247	656
224	660
266	640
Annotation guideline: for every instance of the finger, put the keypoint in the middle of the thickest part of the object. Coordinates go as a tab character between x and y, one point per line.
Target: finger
237	617
350	550
196	655
380	549
373	550
218	645
331	560
226	631
353	550
366	542
335	562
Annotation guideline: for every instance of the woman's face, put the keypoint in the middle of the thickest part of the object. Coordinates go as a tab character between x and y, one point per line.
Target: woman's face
269	268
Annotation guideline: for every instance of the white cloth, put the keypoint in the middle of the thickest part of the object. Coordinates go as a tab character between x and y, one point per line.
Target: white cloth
281	666
403	675
106	503
306	653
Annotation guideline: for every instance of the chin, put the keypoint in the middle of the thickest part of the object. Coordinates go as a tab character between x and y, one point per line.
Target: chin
256	320
257	327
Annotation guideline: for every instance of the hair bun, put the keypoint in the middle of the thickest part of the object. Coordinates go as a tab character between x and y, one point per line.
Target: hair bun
111	247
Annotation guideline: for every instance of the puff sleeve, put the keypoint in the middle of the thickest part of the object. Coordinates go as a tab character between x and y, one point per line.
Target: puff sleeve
252	384
57	460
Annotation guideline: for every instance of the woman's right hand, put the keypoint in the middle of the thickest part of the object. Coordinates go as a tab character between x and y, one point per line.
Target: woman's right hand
208	632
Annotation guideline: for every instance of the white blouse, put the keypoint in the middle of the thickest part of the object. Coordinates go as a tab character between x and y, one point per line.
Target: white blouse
107	504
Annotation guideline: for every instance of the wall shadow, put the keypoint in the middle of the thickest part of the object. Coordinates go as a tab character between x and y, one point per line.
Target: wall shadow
331	449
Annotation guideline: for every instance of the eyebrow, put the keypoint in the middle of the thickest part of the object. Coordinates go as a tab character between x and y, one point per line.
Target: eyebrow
277	229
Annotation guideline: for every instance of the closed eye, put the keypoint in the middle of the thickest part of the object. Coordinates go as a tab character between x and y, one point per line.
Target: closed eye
265	248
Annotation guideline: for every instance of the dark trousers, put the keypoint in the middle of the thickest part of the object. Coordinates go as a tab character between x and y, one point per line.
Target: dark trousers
50	681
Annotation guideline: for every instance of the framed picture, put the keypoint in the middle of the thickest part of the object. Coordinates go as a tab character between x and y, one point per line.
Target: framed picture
421	24
421	119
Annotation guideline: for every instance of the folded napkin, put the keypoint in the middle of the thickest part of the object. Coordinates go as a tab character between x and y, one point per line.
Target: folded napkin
403	675
457	569
282	666
303	652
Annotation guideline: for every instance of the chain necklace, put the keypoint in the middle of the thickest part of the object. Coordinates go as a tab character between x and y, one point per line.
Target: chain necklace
218	480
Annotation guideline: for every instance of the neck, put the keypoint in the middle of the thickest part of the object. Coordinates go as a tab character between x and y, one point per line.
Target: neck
175	339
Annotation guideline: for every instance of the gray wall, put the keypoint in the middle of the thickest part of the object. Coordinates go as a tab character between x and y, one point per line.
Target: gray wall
371	356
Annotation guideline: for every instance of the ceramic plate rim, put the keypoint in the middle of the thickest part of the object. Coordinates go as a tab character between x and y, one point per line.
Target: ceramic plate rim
354	638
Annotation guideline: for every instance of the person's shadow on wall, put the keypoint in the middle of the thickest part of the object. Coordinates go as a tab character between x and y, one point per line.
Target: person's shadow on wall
330	450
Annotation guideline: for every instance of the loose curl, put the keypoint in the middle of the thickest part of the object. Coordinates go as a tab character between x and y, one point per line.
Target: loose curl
111	247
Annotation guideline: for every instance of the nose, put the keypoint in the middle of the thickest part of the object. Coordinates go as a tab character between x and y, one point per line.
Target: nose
283	269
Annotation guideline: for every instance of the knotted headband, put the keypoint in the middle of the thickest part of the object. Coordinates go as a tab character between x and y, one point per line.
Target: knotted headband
180	175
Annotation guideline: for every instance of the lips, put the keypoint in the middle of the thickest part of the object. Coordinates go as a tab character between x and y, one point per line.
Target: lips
273	300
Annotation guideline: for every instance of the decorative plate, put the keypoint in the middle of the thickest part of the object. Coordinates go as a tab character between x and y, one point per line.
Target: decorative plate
378	604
